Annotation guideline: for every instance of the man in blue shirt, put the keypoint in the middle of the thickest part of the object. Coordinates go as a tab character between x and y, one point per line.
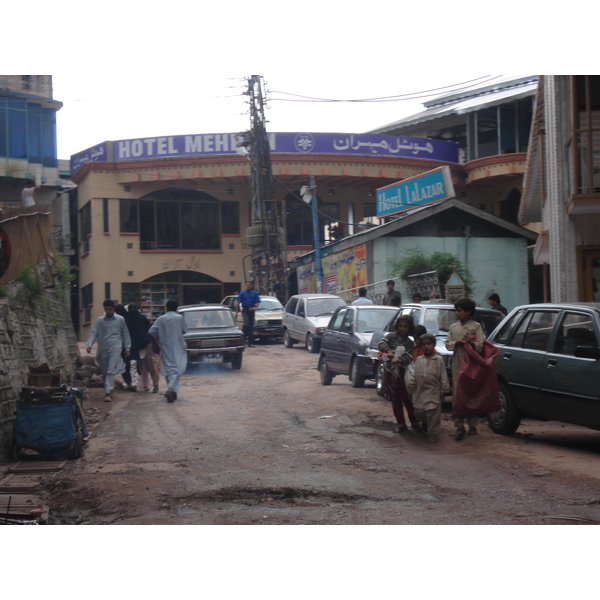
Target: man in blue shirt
248	299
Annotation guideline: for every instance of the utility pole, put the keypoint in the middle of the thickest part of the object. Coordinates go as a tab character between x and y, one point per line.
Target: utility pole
266	234
309	195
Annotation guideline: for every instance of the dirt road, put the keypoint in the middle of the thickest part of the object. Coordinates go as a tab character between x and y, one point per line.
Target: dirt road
270	445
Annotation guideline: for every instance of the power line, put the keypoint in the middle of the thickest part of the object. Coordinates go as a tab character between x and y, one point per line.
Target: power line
396	98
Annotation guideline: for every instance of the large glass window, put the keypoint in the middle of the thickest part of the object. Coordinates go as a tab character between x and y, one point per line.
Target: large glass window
576	329
230	217
27	131
174	219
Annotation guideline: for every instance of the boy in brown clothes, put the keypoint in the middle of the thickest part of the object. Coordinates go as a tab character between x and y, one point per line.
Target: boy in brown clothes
430	383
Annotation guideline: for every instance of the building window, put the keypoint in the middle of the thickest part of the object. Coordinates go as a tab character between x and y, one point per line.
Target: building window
105	214
87	299
586	133
128	213
107	291
27	131
174	219
230	217
85	224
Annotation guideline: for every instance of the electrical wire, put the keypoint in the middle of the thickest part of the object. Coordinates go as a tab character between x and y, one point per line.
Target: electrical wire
396	98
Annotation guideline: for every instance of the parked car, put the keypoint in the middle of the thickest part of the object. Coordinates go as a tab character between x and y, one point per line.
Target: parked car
213	336
305	318
548	365
230	302
436	318
268	319
346	340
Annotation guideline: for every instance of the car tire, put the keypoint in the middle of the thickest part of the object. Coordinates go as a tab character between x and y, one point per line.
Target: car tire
312	345
380	374
326	374
287	339
356	378
507	420
236	362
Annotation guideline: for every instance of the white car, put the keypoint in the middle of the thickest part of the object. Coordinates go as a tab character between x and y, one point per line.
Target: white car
305	318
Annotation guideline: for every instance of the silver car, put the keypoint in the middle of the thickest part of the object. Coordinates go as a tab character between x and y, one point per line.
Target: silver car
305	318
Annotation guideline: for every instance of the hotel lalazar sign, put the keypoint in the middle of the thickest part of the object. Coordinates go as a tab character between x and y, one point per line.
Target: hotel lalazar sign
416	191
287	142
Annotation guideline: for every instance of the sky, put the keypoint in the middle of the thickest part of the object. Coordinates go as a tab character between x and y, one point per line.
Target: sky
144	69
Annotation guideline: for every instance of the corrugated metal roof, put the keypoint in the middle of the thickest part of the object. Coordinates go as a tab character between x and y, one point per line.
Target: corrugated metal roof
463	106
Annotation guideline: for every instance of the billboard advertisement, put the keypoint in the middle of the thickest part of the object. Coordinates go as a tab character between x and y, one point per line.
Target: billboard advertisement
344	270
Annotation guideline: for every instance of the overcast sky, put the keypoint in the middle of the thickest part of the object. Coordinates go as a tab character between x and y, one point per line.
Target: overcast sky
141	69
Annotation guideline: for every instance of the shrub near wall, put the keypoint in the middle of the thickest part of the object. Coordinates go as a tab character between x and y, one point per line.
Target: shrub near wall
34	329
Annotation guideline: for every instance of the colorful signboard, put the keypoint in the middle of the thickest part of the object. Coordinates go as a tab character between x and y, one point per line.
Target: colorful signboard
341	271
286	142
415	191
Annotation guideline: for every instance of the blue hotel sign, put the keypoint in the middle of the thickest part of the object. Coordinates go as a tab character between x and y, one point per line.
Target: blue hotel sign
286	142
416	191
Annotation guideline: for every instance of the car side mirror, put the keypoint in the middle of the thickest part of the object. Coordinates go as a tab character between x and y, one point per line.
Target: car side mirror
587	352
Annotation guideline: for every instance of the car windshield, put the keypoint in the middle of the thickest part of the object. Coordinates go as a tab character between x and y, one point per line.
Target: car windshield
201	319
317	307
269	304
372	320
438	320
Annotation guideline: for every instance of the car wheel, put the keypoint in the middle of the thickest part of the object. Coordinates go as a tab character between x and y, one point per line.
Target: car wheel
326	374
380	379
312	345
507	420
356	379
287	339
236	362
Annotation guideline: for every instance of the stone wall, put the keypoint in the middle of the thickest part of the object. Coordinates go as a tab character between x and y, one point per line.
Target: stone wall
34	329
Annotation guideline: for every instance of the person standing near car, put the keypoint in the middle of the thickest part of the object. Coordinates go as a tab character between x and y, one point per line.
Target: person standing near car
362	297
168	331
494	302
248	300
391	294
465	331
397	348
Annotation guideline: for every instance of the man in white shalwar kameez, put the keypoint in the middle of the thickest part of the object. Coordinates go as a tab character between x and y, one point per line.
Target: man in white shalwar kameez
168	332
113	337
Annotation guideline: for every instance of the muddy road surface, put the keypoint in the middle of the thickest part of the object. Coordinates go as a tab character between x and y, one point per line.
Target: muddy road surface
268	444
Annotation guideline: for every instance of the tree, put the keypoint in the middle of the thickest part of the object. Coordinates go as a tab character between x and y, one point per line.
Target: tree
415	260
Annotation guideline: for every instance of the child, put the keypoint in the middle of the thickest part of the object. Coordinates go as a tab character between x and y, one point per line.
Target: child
418	351
466	331
430	383
398	348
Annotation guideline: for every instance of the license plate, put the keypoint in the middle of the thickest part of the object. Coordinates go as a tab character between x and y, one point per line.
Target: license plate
211	358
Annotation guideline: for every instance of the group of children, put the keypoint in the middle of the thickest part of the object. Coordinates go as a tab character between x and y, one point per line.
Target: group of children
416	374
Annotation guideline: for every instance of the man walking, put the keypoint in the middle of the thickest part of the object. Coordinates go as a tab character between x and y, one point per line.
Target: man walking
168	333
391	293
113	338
248	299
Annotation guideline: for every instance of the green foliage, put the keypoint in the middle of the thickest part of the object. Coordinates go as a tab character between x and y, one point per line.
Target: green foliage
415	260
3	292
27	277
64	276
